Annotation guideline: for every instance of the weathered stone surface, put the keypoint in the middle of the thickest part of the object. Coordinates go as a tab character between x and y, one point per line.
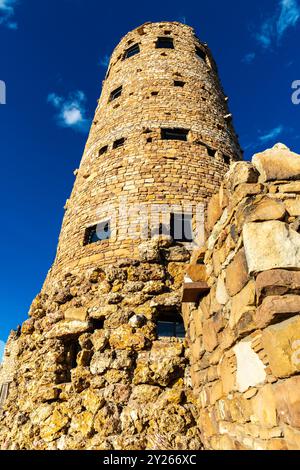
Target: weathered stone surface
276	307
73	313
270	245
237	273
293	206
124	337
288	401
242	302
214	211
265	209
281	342
278	163
290	187
277	282
196	272
250	369
264	407
149	251
240	172
68	328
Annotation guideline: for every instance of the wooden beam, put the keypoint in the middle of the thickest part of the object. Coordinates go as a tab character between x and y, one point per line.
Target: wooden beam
192	291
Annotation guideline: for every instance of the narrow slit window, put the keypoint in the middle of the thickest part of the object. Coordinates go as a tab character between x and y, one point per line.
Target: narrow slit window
174	134
170	324
201	54
226	159
131	51
103	150
115	93
181	229
118	143
179	83
164	43
96	233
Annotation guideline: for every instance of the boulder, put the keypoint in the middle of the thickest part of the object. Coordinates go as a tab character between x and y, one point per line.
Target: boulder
240	172
269	245
68	329
278	163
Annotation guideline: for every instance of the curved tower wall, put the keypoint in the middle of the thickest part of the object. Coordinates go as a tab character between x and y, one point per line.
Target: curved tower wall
147	169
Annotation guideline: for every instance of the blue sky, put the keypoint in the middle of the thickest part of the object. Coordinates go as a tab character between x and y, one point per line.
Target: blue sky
53	58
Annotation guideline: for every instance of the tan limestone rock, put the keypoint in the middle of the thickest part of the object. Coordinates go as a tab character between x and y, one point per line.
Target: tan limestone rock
264	407
276	307
73	313
277	163
270	245
288	401
250	369
68	328
237	273
240	172
242	302
214	211
281	343
196	272
277	282
293	206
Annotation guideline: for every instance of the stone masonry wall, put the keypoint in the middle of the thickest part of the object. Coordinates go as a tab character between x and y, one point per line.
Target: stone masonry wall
91	371
244	336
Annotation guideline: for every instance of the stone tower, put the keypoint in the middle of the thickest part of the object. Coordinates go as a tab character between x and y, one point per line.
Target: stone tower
102	362
162	134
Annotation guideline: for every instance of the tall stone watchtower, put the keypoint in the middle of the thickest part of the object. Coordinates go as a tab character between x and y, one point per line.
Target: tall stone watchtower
162	134
102	362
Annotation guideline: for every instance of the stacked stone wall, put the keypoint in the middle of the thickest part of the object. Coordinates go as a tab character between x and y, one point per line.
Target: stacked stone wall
244	336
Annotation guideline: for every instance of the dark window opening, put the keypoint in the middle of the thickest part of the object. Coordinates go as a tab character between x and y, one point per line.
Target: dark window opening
174	134
72	349
201	54
149	139
211	152
179	83
103	150
118	143
115	93
226	159
131	51
97	233
164	43
181	229
167	32
97	324
154	93
170	324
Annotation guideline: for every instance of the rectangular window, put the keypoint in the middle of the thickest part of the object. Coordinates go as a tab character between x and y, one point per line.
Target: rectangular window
174	134
211	152
97	233
118	143
103	150
164	43
179	83
201	54
115	93
170	325
181	229
226	159
131	51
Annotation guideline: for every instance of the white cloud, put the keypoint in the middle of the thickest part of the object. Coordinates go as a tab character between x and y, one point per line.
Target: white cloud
273	28
71	111
249	58
104	61
272	134
7	11
2	344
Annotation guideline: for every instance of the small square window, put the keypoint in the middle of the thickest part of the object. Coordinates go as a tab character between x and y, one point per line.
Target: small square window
164	43
226	159
118	143
103	150
131	51
179	83
174	134
201	54
115	93
181	229
211	152
97	233
170	325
